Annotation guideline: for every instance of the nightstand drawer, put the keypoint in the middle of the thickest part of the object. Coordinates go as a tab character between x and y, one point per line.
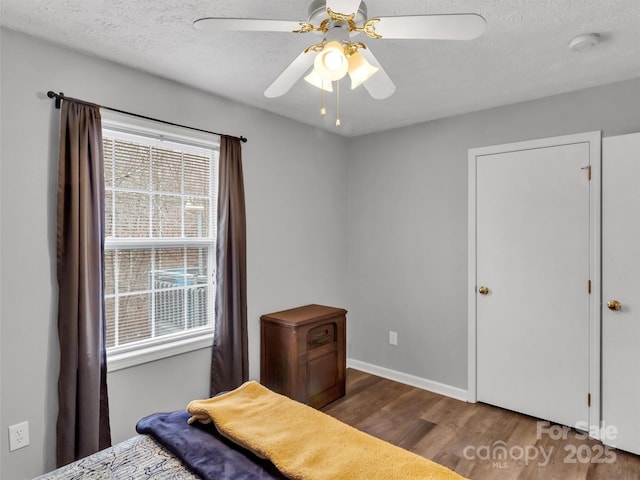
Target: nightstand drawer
321	335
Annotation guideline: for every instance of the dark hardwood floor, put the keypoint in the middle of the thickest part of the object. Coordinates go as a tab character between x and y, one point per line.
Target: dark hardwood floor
478	441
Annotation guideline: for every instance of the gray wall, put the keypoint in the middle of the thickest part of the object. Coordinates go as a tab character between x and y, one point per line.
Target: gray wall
408	223
295	180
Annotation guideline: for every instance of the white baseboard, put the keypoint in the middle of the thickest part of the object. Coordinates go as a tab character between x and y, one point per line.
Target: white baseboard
419	382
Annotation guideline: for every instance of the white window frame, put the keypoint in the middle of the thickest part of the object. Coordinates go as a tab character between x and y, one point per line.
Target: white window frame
137	353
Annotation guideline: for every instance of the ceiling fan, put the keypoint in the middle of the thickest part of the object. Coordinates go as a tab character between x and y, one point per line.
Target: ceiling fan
338	22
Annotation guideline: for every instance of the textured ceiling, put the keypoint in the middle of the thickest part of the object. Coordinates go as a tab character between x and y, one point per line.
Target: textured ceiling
523	54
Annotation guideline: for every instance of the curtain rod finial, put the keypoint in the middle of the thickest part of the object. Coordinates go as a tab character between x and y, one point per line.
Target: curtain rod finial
57	96
243	139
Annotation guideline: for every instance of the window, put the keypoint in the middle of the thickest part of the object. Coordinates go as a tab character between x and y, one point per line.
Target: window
160	206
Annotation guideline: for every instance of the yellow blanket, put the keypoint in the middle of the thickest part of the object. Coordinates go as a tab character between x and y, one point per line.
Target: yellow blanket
306	444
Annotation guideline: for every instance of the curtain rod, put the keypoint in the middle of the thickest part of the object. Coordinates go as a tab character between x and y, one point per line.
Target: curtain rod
61	96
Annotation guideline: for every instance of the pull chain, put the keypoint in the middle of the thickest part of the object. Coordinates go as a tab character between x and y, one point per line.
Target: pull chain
323	108
338	103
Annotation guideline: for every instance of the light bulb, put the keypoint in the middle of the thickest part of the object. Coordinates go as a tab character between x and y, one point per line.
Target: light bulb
333	60
331	63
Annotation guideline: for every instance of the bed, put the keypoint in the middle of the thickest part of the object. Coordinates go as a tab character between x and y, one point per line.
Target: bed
139	457
251	433
169	448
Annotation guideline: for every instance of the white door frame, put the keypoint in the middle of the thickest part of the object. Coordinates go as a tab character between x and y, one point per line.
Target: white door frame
594	140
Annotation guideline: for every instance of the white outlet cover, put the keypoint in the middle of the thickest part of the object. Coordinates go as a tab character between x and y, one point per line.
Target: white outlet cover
18	436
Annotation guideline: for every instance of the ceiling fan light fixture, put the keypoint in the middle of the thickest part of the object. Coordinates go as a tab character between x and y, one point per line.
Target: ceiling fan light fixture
331	63
315	79
359	69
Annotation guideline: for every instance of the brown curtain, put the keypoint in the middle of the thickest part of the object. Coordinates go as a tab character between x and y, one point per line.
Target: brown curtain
230	363
83	411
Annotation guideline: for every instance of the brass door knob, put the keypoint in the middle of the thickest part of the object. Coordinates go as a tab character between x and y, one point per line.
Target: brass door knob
614	305
483	290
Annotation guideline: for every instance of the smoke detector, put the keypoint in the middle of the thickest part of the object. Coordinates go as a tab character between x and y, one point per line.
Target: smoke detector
584	42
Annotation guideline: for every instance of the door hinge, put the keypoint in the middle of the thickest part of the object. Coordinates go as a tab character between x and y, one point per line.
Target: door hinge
588	399
589	287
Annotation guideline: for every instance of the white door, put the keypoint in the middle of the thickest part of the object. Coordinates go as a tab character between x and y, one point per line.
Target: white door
533	253
621	283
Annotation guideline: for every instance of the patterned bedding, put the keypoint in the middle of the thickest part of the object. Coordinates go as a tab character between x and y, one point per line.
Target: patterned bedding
140	457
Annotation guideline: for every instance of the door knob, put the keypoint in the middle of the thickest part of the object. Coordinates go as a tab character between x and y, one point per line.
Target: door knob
483	290
614	305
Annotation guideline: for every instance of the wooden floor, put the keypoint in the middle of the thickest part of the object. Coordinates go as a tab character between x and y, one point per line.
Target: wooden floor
476	440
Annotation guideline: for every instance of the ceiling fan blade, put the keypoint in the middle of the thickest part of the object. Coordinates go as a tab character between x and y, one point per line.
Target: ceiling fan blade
344	6
379	85
291	75
463	26
219	24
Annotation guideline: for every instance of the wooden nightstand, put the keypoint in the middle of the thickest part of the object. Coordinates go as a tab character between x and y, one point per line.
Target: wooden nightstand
303	353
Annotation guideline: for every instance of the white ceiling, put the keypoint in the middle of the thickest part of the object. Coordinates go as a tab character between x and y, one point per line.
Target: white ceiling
523	54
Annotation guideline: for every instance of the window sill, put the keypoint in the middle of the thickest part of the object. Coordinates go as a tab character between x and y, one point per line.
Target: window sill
157	352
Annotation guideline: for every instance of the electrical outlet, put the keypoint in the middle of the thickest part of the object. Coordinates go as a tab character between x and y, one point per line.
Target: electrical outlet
393	338
18	436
